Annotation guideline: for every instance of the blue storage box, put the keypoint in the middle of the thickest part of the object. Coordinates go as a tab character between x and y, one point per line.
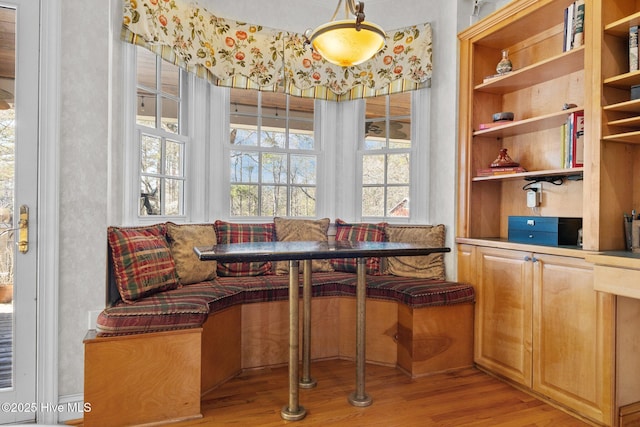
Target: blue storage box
544	230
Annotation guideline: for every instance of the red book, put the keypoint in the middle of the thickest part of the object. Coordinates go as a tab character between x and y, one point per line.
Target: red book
577	139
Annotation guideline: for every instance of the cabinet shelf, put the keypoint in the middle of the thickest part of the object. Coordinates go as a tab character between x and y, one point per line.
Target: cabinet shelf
628	122
623	81
620	28
626	137
548	69
632	106
533	174
533	124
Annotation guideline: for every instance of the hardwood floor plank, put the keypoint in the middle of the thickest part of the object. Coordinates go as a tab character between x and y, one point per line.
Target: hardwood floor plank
467	397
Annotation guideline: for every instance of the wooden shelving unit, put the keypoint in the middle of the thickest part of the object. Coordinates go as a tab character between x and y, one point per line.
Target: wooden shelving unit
595	77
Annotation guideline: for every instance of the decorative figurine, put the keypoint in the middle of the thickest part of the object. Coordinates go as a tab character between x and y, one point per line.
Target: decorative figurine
503	160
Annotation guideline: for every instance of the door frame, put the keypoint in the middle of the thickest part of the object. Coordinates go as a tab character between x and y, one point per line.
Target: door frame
48	206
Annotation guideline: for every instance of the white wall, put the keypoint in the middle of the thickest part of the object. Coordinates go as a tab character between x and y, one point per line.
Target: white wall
91	141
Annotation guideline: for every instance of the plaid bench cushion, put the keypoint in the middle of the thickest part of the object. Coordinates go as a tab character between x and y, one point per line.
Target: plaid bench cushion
414	292
189	306
186	307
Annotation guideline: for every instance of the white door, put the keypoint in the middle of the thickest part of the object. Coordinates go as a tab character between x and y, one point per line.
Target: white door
19	43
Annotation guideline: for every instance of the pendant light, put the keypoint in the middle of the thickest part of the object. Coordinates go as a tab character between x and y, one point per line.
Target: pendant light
347	42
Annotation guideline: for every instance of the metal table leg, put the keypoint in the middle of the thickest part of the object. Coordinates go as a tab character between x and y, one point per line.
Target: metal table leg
306	381
360	397
293	412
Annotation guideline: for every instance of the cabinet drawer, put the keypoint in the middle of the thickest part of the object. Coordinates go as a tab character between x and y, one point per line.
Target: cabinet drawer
534	237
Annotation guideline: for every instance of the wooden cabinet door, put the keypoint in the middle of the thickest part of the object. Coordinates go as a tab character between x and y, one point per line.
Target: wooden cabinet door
573	337
503	313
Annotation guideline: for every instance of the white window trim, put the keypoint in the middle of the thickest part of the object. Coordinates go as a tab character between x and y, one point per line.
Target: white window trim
196	149
419	183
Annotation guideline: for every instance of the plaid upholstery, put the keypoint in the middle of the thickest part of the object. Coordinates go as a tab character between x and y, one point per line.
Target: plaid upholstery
189	306
411	291
361	232
142	261
144	272
175	309
227	232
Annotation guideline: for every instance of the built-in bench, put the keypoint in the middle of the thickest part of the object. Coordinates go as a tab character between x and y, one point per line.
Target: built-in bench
152	357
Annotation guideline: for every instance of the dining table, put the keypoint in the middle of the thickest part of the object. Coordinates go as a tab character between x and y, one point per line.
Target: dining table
305	251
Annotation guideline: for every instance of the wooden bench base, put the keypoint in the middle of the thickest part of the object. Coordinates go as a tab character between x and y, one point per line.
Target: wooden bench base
160	377
142	379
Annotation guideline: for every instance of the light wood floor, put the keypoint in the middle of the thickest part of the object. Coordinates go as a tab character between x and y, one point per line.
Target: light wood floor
465	398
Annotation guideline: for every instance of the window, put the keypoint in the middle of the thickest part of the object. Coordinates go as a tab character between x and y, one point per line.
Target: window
273	155
386	156
161	135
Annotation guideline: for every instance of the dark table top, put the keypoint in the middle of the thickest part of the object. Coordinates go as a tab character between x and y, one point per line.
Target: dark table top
274	251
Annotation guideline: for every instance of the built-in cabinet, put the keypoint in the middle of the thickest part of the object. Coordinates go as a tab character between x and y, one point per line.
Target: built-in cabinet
541	320
540	324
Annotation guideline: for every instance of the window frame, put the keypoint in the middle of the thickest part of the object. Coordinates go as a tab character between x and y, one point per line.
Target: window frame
131	205
317	151
419	155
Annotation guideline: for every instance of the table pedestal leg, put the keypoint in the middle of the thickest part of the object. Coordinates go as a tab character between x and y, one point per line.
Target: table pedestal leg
293	411
306	381
360	397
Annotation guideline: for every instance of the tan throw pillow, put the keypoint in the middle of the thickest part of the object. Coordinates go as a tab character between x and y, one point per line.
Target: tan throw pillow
423	267
299	230
182	239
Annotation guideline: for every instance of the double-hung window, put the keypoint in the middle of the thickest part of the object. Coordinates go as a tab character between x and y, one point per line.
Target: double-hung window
386	157
273	155
161	135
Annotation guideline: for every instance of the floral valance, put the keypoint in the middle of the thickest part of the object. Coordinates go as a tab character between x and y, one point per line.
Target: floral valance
236	54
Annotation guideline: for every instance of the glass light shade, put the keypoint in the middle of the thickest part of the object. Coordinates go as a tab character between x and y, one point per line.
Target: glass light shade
340	43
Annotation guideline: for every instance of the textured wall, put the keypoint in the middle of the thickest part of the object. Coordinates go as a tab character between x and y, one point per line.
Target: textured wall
84	94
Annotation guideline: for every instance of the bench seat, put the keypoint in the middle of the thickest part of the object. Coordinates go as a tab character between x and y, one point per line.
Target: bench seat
189	306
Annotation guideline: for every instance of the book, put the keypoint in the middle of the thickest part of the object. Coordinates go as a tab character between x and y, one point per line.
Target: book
563	146
500	171
633	48
578	30
573	141
484	126
577	154
568	27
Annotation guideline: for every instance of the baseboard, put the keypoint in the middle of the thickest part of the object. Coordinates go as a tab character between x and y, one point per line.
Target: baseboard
71	407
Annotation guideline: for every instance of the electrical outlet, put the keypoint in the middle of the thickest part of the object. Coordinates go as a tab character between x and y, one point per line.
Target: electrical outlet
92	318
534	195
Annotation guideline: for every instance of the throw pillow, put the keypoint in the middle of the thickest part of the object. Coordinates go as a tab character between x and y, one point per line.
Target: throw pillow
423	267
300	230
360	232
142	261
228	232
182	239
